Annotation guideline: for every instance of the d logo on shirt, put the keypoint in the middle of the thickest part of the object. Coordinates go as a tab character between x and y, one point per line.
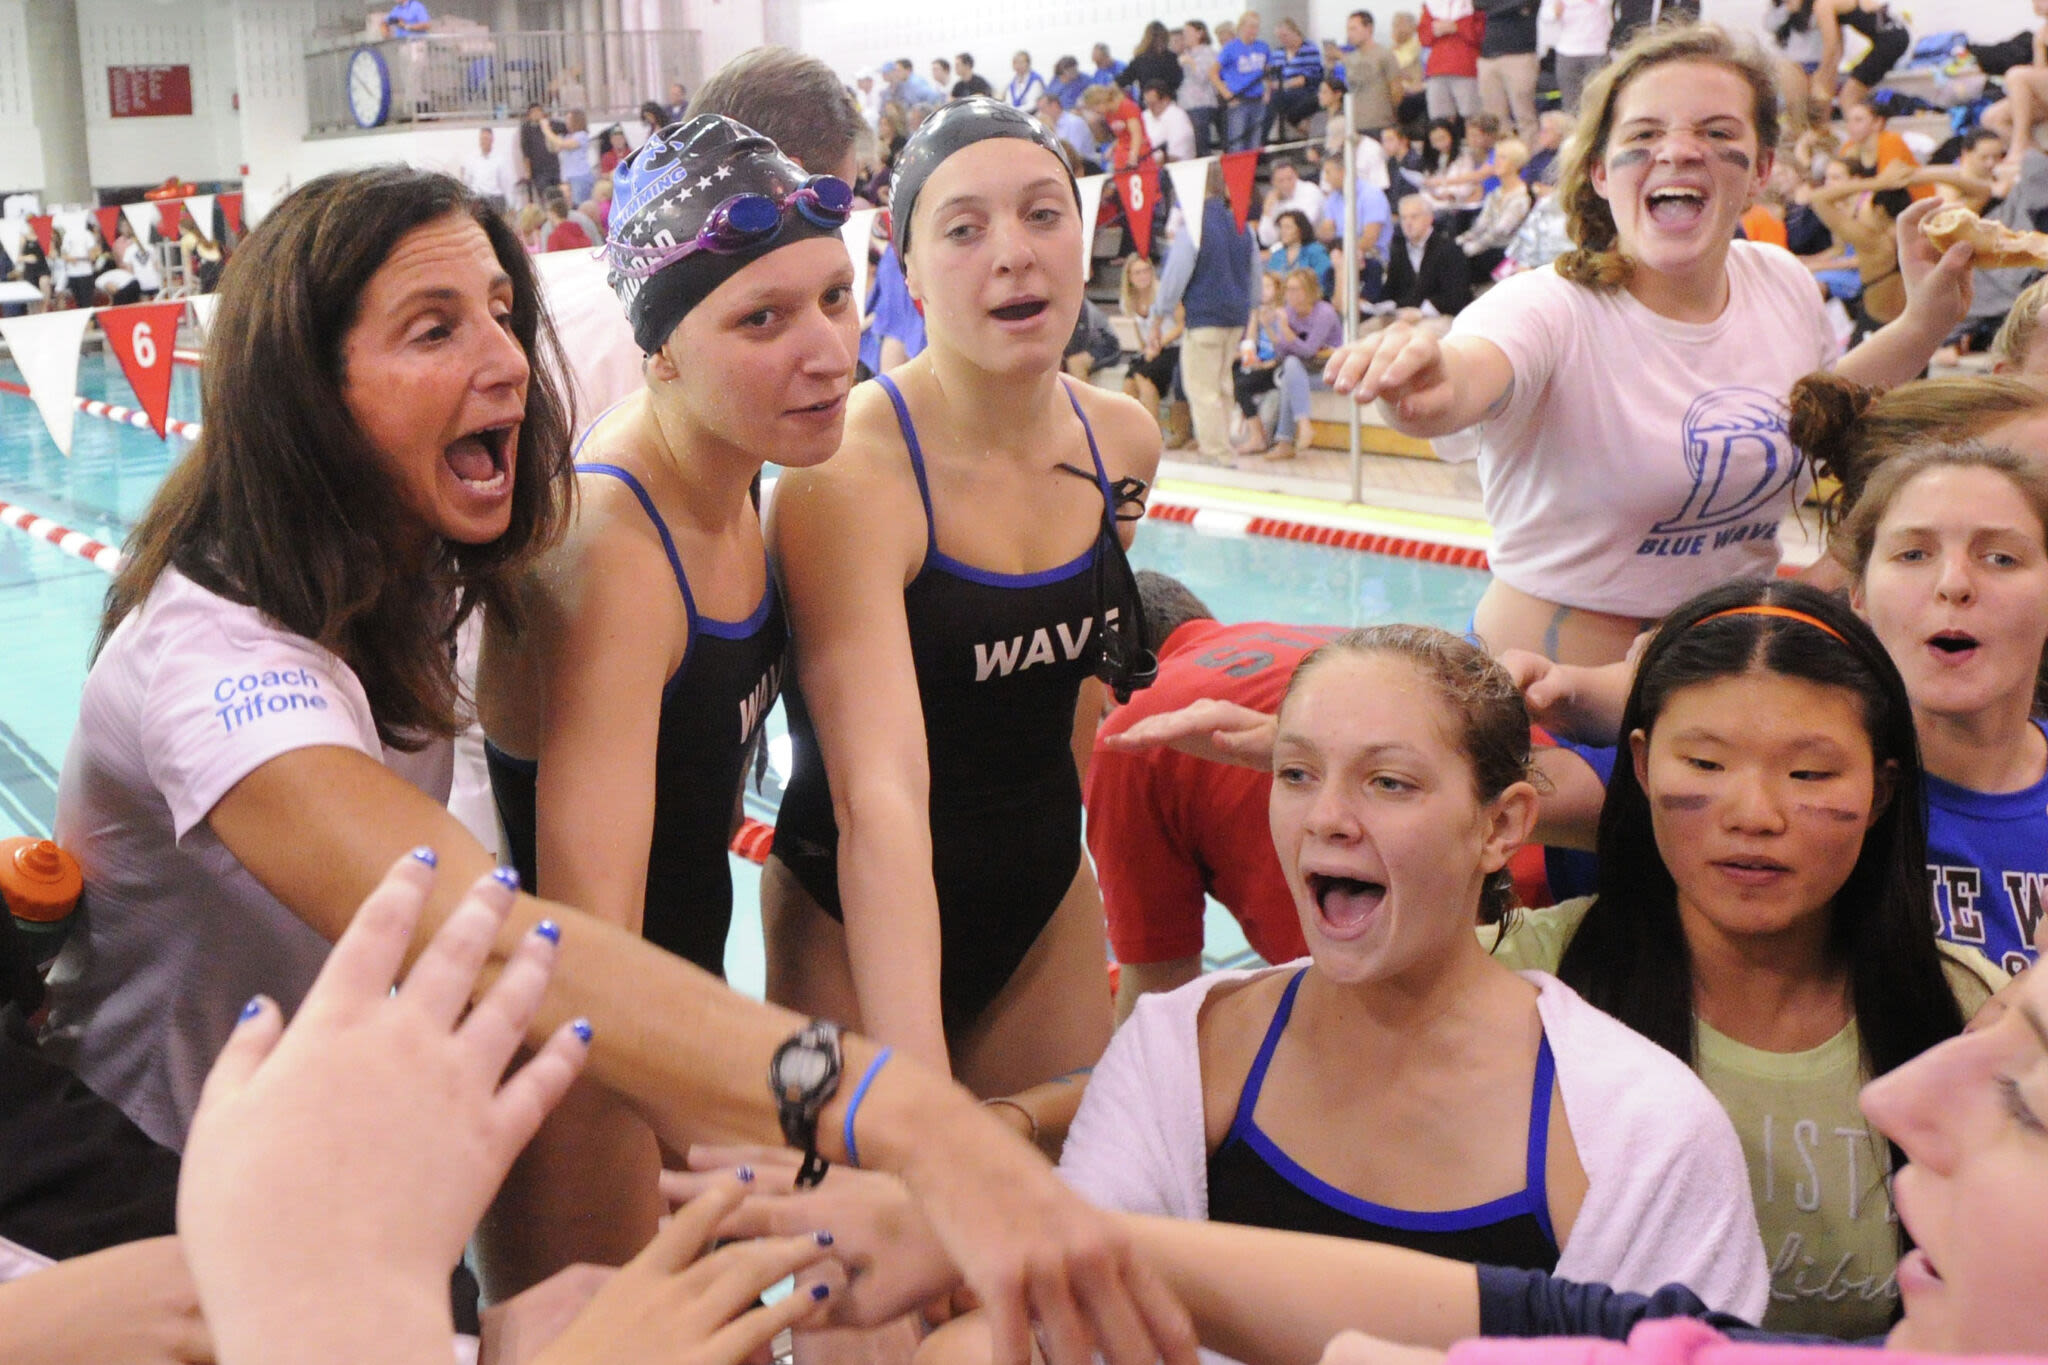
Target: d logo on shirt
1739	456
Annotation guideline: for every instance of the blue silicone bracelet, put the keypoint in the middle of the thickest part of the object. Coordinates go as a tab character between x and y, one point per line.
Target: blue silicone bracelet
860	1092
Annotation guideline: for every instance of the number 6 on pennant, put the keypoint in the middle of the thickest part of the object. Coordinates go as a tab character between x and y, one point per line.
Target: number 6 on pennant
132	333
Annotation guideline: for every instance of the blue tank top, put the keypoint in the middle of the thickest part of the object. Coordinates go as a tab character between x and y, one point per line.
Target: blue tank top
1000	659
1253	1182
711	710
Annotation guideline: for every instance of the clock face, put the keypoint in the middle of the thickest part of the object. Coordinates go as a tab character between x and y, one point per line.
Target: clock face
369	88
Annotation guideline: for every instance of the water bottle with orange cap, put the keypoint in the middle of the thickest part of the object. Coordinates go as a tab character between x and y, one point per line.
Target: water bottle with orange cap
41	884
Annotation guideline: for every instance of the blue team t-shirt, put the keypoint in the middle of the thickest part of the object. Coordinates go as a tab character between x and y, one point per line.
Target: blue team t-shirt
1243	66
1987	856
1987	853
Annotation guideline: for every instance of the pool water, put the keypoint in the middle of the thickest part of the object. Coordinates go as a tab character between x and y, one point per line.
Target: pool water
50	604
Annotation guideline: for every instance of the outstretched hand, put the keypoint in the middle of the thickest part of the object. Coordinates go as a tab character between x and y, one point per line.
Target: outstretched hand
336	1167
1402	366
682	1303
892	1257
1220	731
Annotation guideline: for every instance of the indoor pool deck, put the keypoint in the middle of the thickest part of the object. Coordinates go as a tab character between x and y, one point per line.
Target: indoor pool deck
1243	543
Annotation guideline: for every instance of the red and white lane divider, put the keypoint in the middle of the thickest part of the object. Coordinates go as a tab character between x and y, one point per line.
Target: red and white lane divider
114	412
74	543
1456	550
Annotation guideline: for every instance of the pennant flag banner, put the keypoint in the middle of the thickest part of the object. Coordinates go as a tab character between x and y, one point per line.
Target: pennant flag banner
1139	189
45	348
1090	187
143	337
1240	170
858	229
203	307
41	224
141	217
109	220
169	213
201	206
231	209
1190	187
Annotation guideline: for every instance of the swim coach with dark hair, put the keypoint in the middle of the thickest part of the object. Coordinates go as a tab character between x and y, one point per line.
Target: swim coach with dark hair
265	731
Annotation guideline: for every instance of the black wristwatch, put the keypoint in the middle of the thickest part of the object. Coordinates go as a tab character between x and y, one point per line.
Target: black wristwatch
803	1075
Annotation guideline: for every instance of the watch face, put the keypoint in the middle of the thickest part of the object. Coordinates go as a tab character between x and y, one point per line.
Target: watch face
801	1070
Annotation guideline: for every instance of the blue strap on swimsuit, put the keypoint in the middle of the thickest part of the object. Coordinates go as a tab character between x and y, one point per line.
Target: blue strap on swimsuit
712	708
1253	1182
1000	659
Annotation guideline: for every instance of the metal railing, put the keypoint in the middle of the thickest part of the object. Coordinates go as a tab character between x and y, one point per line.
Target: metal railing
483	76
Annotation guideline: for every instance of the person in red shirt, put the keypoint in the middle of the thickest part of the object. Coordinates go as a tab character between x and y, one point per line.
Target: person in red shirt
1452	30
562	233
1167	829
1130	144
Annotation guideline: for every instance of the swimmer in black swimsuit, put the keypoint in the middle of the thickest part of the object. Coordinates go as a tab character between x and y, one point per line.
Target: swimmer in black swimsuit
621	707
1889	39
949	577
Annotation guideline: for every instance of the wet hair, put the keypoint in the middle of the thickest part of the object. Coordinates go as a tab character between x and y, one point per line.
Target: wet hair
1900	466
2016	334
1169	604
1595	259
1856	538
1489	722
792	99
284	506
1630	956
1848	430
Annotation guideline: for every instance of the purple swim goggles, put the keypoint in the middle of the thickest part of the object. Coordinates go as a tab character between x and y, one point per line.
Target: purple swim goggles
739	223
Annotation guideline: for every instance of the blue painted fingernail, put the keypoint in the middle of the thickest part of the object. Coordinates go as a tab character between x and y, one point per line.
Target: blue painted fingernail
252	1009
581	1028
820	1292
745	1174
547	928
507	877
425	855
824	1238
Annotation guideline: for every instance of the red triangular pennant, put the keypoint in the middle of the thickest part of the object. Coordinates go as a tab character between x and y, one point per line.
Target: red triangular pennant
110	222
41	223
169	215
1139	189
1240	170
231	209
143	336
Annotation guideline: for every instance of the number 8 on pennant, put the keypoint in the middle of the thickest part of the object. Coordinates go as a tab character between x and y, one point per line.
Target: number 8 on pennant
143	338
1138	189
